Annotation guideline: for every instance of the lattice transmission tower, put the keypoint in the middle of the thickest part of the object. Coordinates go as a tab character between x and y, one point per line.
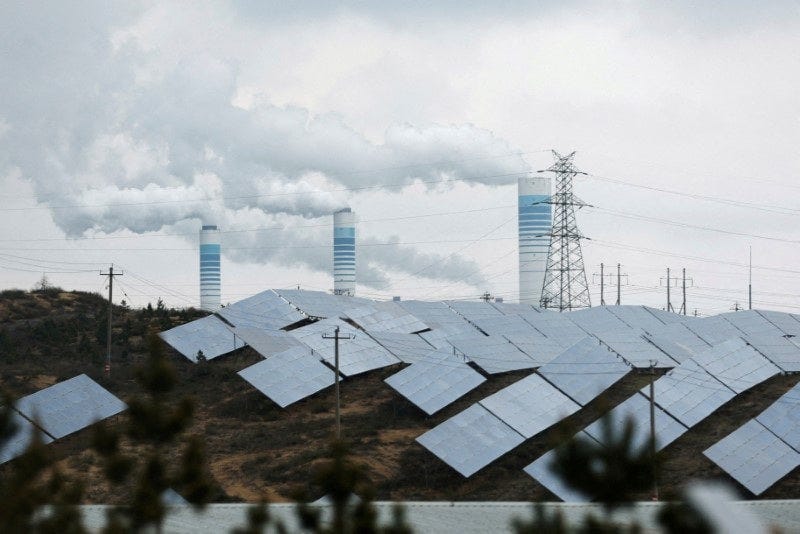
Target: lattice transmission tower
565	286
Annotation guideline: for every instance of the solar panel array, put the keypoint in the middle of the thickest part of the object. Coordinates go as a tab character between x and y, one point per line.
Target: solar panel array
267	342
782	418
540	470
265	310
435	381
787	323
736	364
470	440
358	354
407	347
779	349
579	355
209	335
530	405
751	322
21	438
637	409
320	304
584	370
634	348
385	317
69	406
714	330
689	393
289	376
539	348
492	354
754	456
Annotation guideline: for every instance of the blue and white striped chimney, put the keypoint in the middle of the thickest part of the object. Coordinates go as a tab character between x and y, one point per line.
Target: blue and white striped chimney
210	280
535	225
344	252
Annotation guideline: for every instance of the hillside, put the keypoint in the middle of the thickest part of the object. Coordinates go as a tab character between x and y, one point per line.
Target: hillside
258	450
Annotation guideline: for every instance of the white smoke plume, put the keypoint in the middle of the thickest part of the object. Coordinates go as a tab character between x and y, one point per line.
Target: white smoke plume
110	142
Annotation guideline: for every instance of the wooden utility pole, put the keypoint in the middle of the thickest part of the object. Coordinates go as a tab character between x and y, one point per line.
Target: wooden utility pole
653	427
336	337
110	274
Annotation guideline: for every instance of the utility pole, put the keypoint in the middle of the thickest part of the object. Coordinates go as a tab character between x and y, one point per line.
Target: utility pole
669	304
619	286
110	274
653	427
336	337
669	284
691	280
602	285
750	282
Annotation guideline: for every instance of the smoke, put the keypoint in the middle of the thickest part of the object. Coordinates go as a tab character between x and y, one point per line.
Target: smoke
112	137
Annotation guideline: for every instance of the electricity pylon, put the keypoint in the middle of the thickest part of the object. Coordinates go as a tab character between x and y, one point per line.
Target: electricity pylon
565	286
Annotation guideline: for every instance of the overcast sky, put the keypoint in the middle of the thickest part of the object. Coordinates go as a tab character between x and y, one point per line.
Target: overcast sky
124	126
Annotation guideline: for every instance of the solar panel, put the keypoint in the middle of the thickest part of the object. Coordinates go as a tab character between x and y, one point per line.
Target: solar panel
541	472
668	317
385	317
437	315
267	342
637	409
289	376
634	348
754	456
782	417
319	303
512	308
636	317
69	406
778	349
492	354
539	348
407	347
504	324
557	327
594	320
20	439
713	330
530	405
357	355
584	370
265	310
736	364
689	394
208	334
677	341
751	322
470	440
786	322
435	381
472	309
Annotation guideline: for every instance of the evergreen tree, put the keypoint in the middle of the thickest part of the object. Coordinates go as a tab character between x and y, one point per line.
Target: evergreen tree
157	423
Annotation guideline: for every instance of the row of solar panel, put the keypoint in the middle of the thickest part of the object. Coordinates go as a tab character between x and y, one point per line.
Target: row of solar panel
765	449
500	338
684	396
58	411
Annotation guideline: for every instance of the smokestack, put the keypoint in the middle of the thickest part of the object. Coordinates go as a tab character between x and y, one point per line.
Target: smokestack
210	281
344	252
535	225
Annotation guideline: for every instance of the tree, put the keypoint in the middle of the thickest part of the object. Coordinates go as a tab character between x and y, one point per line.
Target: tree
156	425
